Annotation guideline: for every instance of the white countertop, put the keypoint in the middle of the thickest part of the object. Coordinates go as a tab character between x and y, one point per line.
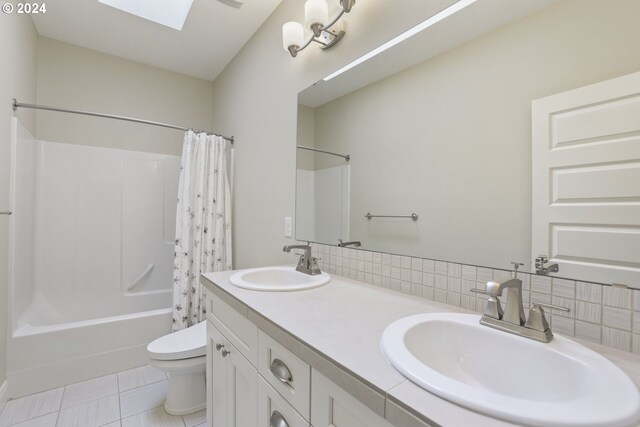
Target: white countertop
344	321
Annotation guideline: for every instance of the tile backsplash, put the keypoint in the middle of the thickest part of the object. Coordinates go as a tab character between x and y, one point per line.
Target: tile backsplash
608	315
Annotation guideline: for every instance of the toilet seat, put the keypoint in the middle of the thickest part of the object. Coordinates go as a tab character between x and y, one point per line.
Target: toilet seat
184	344
191	364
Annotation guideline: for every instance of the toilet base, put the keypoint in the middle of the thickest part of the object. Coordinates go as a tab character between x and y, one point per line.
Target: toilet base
186	411
186	389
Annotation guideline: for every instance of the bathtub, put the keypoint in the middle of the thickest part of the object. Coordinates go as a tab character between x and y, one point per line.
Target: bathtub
41	357
48	315
91	260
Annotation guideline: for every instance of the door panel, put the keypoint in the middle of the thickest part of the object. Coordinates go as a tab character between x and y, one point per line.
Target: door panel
216	379
242	390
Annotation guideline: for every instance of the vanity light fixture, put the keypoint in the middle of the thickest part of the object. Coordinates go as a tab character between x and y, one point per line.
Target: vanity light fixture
456	7
316	20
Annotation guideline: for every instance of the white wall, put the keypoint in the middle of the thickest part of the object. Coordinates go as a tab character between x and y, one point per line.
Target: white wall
255	98
18	50
79	78
450	139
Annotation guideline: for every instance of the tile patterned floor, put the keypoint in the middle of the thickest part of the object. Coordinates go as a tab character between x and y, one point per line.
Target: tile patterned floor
132	398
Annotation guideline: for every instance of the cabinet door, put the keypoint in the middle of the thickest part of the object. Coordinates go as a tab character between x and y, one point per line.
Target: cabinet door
331	405
242	389
216	379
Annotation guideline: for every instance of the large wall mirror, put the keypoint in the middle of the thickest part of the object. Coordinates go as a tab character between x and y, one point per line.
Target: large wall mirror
444	131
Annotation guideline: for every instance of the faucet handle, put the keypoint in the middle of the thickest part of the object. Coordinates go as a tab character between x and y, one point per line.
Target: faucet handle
516	266
537	320
552	306
492	307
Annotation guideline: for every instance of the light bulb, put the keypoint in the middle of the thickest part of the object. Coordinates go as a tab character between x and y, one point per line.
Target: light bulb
292	35
316	15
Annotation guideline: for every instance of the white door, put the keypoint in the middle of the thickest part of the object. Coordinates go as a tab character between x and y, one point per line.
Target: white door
586	181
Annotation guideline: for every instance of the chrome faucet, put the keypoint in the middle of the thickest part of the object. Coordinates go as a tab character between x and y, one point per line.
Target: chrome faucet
355	243
512	319
514	310
306	263
541	260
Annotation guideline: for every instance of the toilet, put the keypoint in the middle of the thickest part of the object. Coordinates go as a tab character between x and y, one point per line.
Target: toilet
182	355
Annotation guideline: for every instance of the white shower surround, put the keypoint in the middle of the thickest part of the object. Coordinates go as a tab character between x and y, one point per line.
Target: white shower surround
322	212
91	240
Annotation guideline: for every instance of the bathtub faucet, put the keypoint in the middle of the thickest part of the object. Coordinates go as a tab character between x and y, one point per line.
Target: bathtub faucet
307	264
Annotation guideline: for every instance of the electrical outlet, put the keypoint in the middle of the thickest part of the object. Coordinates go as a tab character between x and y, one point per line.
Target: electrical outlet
287	227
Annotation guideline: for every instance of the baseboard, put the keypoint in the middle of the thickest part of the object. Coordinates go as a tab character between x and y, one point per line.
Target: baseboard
3	394
58	374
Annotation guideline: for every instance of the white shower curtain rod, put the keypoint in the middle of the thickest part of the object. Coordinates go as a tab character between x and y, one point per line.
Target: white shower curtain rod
331	153
17	105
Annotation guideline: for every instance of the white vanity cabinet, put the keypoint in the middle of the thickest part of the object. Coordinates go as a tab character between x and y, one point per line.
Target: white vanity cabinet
232	384
254	381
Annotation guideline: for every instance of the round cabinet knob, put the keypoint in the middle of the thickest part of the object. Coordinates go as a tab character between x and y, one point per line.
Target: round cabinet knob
225	352
219	346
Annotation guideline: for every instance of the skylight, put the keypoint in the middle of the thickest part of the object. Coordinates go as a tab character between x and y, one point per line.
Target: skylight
171	13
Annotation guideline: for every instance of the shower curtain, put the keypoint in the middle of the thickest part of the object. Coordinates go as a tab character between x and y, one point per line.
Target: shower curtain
203	223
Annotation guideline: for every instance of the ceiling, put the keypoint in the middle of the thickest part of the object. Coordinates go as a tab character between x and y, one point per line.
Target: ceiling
212	34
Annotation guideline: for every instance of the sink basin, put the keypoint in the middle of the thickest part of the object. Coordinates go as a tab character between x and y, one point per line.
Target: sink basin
561	383
277	279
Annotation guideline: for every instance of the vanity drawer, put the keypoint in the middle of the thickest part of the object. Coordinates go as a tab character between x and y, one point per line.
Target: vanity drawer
239	330
273	406
285	372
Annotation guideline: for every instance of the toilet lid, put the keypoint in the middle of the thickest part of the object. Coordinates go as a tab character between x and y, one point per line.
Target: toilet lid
184	344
